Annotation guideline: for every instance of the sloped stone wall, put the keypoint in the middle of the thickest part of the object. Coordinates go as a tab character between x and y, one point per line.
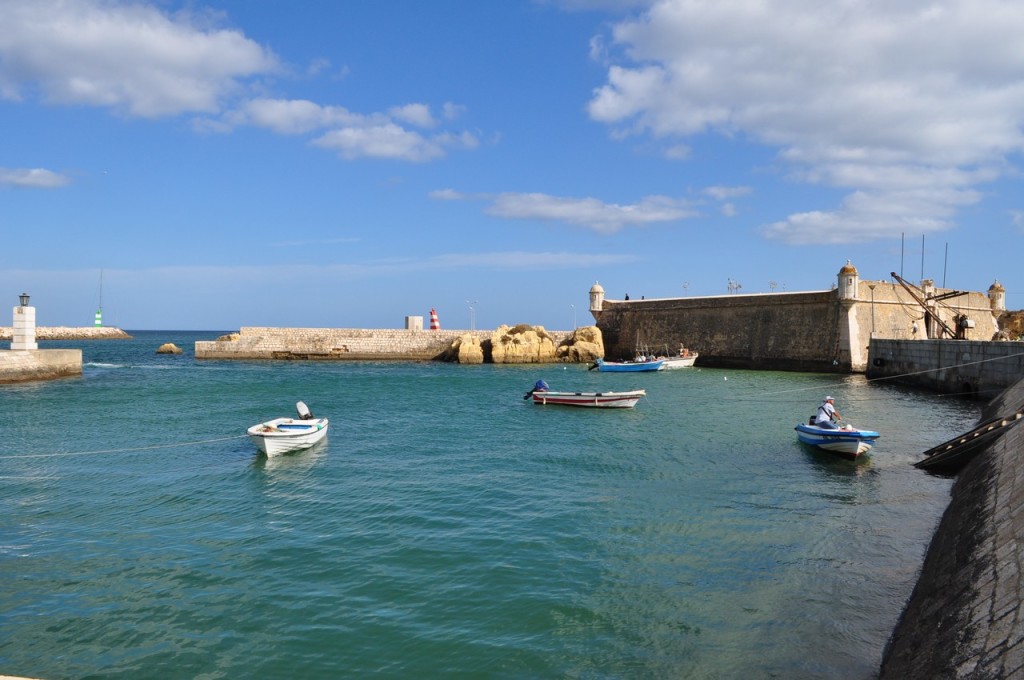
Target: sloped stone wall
964	618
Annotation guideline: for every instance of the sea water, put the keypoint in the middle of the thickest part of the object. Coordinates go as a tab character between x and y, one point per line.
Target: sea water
448	527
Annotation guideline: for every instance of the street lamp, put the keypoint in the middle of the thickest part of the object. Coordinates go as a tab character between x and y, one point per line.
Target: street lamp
872	287
23	298
573	316
472	315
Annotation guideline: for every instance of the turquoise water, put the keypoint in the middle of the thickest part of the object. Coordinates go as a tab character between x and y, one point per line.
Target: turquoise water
448	527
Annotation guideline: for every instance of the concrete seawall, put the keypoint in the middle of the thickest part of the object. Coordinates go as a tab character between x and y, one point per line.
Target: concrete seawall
970	368
964	618
39	364
337	344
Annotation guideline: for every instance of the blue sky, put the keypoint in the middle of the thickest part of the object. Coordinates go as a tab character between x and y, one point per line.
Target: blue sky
229	163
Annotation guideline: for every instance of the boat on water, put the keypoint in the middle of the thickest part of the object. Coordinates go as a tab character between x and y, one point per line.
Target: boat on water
847	442
589	399
283	435
684	359
627	366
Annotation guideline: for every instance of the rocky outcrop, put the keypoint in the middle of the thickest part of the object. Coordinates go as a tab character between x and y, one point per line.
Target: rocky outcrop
168	348
465	349
525	344
1011	326
584	345
522	344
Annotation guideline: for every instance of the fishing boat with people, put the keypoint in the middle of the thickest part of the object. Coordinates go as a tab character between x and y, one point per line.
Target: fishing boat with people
543	395
684	359
848	441
823	432
283	435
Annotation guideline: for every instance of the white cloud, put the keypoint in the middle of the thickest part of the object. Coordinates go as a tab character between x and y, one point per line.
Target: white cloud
908	106
1017	219
447	195
130	57
382	141
293	116
351	135
34	178
722	193
604	218
414	114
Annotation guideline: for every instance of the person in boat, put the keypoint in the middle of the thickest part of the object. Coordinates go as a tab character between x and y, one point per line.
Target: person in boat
827	414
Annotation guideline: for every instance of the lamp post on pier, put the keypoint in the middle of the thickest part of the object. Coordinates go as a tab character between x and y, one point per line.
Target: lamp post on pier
472	315
872	287
573	316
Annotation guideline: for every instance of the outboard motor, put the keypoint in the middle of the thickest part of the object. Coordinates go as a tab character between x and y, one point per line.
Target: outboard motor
303	410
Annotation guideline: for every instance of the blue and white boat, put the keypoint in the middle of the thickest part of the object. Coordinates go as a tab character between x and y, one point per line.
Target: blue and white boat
848	442
627	366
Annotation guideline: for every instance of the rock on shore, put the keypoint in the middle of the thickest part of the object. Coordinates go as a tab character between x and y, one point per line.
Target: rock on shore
526	344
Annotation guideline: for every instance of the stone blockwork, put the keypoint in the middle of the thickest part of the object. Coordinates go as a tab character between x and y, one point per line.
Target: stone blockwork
968	368
807	331
71	333
39	364
964	618
339	344
786	331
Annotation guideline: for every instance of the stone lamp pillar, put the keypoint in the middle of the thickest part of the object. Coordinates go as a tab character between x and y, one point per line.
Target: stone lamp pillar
24	331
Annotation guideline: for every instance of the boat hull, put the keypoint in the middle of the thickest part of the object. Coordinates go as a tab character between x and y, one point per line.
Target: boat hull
628	366
673	363
849	444
283	435
589	399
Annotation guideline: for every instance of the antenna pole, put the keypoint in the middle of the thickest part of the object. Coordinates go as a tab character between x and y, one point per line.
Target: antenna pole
945	261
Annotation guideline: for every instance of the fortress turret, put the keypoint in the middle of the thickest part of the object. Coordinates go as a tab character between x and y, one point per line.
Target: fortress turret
596	300
997	297
849	281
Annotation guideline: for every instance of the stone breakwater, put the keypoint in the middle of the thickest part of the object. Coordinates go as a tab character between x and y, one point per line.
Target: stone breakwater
39	364
516	344
965	617
70	333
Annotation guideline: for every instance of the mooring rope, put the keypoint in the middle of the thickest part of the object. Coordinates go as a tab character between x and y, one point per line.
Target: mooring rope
62	454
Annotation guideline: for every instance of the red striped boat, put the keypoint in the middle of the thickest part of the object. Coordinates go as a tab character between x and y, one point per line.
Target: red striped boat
590	399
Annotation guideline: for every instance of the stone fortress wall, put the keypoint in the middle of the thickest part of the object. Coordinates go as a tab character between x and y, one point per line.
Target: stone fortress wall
807	331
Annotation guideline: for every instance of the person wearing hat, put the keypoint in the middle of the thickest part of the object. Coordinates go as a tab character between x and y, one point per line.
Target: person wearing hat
826	413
